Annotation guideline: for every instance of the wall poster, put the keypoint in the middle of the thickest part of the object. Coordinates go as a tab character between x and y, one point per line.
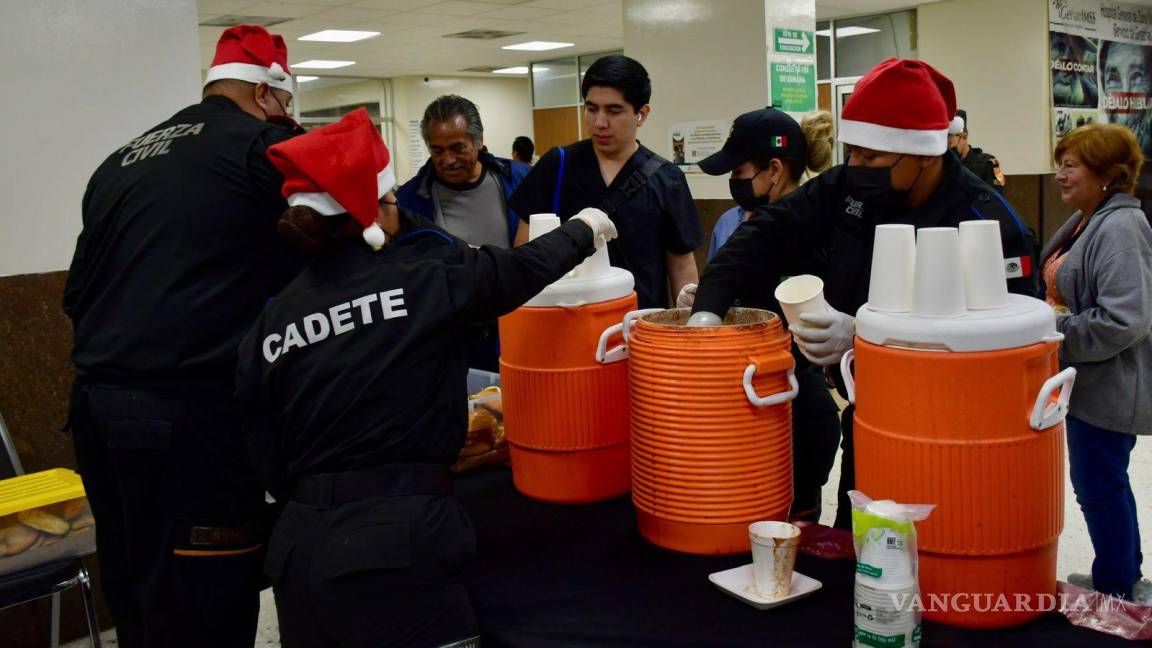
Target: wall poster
693	141
1100	52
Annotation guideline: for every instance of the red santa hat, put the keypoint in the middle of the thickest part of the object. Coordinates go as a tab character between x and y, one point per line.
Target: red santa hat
956	126
341	168
900	106
249	53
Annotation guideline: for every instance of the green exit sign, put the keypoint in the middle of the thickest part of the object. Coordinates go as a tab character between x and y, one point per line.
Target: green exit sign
794	41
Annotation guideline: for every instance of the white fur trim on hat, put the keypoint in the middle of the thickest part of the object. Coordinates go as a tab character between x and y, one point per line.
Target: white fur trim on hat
893	140
274	76
386	180
956	126
321	201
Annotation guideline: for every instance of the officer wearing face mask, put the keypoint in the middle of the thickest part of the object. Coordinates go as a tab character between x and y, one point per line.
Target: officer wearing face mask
896	128
767	154
177	256
983	165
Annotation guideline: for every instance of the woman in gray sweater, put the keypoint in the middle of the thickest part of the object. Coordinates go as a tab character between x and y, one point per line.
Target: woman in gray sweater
1098	275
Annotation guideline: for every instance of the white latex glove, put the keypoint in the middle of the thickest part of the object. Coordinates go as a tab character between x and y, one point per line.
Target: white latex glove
687	296
603	229
824	337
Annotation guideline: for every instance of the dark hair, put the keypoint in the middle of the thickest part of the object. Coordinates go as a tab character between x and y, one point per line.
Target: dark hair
445	107
523	148
307	230
622	73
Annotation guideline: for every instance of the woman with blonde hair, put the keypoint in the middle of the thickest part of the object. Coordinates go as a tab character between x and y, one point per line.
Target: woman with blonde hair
1098	275
767	155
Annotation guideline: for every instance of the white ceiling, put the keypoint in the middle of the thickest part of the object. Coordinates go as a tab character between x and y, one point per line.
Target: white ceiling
411	39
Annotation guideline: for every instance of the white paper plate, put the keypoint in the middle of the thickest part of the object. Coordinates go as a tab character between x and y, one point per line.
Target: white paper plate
740	582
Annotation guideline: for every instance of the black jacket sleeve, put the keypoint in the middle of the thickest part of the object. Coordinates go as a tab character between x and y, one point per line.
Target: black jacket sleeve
780	239
504	279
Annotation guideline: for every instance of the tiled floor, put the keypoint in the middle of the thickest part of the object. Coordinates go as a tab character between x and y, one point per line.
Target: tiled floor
1075	552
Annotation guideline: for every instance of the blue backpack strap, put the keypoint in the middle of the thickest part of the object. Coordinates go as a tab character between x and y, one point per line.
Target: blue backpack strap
424	232
559	178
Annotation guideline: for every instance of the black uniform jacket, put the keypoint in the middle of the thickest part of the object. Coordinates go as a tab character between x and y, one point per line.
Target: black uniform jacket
984	166
360	361
820	229
179	250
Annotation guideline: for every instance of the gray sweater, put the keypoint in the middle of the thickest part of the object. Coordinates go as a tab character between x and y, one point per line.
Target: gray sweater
1106	281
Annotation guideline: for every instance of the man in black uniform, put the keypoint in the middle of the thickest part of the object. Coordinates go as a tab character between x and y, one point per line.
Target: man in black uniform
176	258
645	195
356	380
896	126
981	164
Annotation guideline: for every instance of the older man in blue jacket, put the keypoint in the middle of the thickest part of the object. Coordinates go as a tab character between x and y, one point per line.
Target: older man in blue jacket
465	189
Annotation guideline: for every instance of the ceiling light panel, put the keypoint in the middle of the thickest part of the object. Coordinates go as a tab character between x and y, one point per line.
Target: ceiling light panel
339	36
320	64
537	46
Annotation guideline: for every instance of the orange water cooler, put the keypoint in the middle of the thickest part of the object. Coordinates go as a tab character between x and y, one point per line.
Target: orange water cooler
565	414
711	427
965	410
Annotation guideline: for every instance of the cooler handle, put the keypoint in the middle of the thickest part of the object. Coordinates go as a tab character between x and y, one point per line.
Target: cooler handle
846	367
774	399
604	355
1045	413
631	317
618	353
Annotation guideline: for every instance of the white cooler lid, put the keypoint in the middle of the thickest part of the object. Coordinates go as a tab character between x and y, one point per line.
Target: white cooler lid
578	291
1022	322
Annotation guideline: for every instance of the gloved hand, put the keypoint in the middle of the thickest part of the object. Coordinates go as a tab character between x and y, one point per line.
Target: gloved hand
687	296
603	229
826	337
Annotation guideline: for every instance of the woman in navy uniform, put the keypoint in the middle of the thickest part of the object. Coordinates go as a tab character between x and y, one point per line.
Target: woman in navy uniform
355	377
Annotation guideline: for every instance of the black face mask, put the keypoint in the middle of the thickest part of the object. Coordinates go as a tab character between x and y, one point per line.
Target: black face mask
873	186
745	196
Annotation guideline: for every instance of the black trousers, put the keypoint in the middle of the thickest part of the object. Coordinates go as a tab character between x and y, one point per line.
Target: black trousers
815	435
177	511
847	472
380	571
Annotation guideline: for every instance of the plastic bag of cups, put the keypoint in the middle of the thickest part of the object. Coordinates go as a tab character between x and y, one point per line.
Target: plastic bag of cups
884	534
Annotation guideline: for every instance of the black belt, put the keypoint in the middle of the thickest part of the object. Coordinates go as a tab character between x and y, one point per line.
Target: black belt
388	480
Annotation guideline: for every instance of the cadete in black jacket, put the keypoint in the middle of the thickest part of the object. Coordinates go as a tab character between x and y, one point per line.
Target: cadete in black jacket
356	380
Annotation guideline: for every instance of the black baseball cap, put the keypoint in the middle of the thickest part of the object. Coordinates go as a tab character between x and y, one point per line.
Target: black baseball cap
761	132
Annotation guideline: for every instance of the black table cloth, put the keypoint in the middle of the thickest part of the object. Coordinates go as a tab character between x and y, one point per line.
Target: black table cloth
555	575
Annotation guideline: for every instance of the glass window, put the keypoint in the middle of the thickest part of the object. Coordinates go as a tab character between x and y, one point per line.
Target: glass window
554	83
823	50
863	42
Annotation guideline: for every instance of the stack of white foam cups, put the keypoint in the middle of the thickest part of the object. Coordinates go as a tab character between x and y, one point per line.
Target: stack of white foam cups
938	271
885	587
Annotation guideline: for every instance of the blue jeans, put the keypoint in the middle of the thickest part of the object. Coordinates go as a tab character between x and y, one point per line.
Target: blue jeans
1099	463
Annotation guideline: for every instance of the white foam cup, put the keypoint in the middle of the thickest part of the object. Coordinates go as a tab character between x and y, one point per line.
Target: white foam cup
774	547
541	224
801	294
886	550
985	284
893	266
938	289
